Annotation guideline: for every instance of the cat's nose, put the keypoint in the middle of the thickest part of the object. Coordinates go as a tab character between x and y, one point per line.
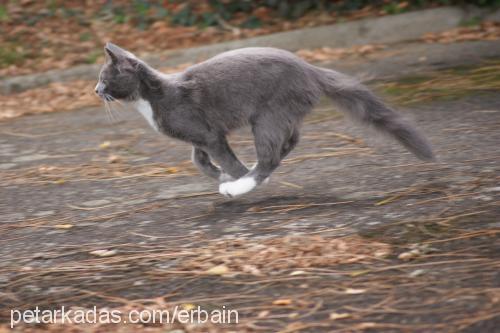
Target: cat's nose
99	88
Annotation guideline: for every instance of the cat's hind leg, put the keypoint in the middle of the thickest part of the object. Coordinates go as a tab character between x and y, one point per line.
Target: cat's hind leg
292	141
273	140
286	148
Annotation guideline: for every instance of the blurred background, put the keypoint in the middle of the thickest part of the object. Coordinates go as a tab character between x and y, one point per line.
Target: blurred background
42	35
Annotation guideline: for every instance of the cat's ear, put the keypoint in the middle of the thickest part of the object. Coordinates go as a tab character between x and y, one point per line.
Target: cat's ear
111	51
116	53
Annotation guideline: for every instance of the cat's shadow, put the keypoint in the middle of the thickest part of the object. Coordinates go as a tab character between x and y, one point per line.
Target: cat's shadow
274	204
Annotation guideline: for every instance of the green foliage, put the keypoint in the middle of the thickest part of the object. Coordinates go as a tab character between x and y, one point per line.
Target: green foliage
251	23
52	7
141	9
295	9
11	54
3	14
392	8
119	16
208	19
139	12
185	17
213	12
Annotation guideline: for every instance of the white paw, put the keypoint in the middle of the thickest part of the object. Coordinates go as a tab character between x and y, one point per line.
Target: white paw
225	177
237	187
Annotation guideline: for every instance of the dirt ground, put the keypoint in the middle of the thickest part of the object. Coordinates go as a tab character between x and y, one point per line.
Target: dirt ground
352	233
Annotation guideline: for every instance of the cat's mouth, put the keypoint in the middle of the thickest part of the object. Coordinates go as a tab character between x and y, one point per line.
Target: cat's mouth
99	90
105	97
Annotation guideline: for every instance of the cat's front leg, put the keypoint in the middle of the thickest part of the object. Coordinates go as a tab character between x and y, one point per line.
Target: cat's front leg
230	166
202	161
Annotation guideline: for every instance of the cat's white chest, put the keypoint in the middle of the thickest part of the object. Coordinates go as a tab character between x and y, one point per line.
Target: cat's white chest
144	107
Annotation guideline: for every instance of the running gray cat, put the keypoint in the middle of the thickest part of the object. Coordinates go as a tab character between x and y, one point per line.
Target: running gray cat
269	89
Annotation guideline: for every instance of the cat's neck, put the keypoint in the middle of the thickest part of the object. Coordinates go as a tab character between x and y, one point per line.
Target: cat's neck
155	85
157	91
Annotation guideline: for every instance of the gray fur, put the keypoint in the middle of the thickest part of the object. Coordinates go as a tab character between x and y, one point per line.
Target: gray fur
269	89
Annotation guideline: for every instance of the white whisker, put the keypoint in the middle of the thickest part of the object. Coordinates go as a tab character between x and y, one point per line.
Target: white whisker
111	106
119	102
108	111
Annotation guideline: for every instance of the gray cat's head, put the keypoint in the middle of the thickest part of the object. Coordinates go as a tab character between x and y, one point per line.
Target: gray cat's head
119	76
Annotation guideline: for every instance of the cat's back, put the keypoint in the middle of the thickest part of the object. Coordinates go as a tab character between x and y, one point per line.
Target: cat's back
253	76
254	53
248	61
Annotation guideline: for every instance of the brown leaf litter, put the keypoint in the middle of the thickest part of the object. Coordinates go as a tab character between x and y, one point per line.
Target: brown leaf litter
483	31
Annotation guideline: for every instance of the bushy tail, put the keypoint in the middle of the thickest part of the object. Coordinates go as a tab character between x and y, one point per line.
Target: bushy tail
362	104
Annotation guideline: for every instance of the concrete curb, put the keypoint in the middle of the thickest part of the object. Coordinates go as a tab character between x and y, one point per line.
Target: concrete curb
387	29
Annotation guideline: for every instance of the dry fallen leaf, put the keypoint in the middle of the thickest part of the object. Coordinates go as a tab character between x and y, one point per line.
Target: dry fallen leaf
251	269
114	159
353	291
417	272
103	253
263	314
285	301
188	306
409	255
218	270
105	145
359	273
382	253
63	226
335	315
484	31
172	170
